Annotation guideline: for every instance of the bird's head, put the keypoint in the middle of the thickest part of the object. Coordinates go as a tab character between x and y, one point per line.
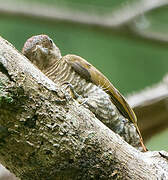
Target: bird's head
41	51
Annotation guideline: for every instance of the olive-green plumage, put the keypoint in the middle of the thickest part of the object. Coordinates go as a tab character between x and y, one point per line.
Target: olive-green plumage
70	68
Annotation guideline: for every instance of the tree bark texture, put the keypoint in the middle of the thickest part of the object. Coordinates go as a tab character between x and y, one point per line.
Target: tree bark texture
45	136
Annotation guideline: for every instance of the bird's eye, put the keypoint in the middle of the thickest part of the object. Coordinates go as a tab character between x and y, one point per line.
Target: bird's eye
51	41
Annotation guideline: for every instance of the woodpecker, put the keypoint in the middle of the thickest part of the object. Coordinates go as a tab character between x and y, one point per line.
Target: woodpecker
84	78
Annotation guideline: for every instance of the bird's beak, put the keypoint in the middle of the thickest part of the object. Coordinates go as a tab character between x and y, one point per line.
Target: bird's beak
41	49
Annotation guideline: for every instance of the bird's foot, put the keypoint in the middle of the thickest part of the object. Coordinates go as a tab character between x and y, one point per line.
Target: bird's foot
68	86
74	95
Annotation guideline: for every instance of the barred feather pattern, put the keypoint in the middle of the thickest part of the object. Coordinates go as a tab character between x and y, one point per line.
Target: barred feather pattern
98	101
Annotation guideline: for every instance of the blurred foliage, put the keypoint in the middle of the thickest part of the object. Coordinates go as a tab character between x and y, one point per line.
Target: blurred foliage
158	142
158	20
130	64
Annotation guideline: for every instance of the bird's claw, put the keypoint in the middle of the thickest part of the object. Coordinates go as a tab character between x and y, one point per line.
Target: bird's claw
72	93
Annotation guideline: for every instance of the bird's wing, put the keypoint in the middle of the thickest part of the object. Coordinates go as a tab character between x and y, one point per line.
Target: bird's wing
90	73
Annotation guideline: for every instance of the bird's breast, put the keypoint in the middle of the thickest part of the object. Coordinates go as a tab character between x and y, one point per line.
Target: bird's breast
61	72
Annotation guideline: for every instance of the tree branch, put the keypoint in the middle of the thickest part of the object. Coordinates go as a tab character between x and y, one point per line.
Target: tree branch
47	137
117	18
120	21
151	108
6	175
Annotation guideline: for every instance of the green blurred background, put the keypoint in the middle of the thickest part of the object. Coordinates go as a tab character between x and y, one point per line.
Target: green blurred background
129	63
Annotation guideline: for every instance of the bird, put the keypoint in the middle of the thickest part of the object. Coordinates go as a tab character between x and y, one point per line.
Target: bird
84	77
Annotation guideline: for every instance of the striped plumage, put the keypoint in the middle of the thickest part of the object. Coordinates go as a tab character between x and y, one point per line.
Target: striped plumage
60	71
85	78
